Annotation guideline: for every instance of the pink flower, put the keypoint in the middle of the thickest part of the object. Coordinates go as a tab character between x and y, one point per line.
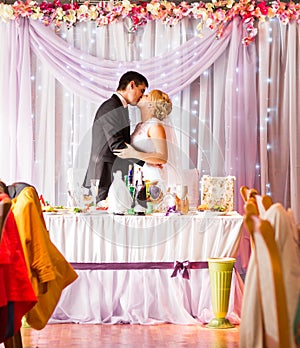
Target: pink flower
66	7
263	8
135	20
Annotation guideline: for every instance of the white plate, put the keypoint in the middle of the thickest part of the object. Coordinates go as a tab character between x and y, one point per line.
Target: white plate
158	214
53	213
212	213
59	211
218	213
96	212
64	210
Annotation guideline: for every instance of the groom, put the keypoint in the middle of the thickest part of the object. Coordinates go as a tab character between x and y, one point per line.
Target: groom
111	130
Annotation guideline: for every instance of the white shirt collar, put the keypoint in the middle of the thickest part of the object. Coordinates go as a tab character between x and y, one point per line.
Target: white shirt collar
124	102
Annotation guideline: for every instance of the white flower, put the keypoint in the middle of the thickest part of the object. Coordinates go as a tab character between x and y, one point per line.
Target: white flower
127	5
37	14
201	12
71	17
59	13
6	12
153	8
83	9
93	13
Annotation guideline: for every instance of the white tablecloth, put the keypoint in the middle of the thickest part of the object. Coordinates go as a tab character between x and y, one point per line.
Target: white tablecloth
143	295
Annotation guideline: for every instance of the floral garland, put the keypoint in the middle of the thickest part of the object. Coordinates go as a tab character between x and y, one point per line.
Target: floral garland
213	15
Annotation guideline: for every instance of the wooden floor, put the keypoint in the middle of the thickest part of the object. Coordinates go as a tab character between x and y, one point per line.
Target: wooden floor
131	336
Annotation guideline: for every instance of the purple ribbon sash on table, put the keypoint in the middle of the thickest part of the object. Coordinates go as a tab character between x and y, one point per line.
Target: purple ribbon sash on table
177	267
181	267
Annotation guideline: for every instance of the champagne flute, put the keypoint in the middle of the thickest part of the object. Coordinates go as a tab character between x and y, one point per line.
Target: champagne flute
94	189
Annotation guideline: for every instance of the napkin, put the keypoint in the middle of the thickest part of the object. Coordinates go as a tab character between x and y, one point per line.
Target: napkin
119	198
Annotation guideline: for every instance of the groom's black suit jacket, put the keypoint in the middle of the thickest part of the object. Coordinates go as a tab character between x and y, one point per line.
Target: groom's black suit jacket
111	129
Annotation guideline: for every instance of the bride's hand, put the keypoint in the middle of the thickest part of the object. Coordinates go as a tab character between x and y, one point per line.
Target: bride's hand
128	152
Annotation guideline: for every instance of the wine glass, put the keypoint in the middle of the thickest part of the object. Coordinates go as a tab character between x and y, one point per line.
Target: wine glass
94	189
78	196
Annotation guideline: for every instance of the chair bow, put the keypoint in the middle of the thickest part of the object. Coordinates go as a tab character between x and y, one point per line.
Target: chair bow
181	267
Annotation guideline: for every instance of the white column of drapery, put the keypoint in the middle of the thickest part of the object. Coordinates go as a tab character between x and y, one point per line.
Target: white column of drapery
240	109
240	125
211	102
228	114
211	118
16	128
264	60
279	110
7	110
46	128
278	140
69	121
292	196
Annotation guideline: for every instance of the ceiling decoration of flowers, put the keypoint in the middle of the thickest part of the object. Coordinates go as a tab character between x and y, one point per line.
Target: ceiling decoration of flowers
214	14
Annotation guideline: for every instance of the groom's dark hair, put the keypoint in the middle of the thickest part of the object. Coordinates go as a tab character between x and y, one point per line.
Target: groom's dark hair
131	76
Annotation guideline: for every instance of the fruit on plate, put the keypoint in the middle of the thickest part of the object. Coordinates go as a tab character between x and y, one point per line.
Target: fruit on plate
55	209
218	208
202	207
48	209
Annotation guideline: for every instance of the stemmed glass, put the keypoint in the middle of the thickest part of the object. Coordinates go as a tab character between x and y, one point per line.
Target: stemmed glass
94	189
78	195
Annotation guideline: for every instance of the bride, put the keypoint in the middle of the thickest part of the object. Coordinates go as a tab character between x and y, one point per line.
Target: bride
153	139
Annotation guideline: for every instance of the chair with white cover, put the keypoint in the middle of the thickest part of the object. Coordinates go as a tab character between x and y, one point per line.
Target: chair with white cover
292	217
286	237
217	191
263	202
247	193
264	318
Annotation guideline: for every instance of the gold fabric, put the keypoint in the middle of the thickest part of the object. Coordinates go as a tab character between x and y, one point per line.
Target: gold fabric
49	272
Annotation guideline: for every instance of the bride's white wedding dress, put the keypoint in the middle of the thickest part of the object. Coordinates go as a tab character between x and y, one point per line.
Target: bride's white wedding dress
167	174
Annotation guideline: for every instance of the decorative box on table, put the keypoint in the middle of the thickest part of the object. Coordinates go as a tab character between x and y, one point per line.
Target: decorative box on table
217	191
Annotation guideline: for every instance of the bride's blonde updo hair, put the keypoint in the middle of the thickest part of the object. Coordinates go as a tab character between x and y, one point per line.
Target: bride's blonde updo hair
161	103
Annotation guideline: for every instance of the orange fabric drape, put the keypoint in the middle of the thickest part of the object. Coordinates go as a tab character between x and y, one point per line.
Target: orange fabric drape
49	272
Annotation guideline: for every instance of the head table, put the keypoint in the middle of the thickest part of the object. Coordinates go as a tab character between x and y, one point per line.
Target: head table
143	269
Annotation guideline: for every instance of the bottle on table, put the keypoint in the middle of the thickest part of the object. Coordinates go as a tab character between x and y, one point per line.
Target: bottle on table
130	175
170	199
128	179
140	188
182	200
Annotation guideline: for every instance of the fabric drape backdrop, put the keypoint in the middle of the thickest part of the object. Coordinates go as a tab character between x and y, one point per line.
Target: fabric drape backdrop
235	107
